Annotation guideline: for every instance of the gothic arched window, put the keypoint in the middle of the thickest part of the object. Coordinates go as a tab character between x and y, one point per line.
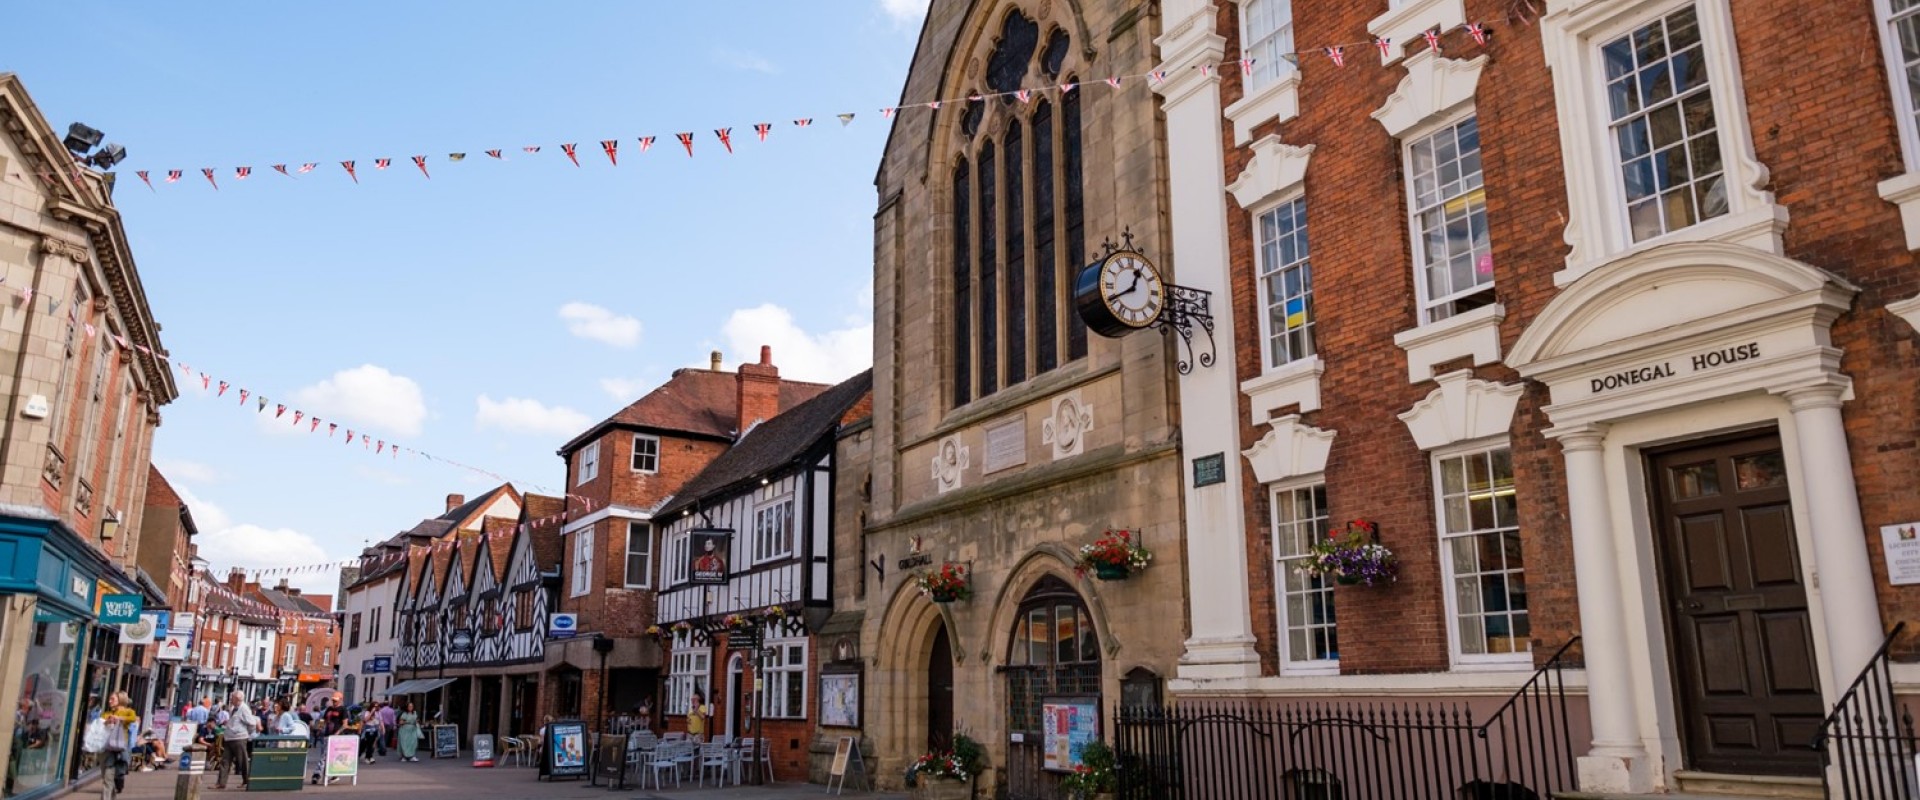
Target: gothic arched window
1018	221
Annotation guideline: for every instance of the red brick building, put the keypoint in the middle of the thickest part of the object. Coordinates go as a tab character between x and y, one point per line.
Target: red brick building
309	640
623	469
1606	322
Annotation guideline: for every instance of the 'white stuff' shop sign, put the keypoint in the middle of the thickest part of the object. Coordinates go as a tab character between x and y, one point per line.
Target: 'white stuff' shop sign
1699	362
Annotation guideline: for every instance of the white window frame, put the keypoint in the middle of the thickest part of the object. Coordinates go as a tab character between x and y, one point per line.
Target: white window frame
1642	114
689	667
645	529
1901	190
1268	47
779	667
1263	311
582	561
1417	237
293	650
652	459
766	547
1288	664
1461	660
676	543
588	467
1598	228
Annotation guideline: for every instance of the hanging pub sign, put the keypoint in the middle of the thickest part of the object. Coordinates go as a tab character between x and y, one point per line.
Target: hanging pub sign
707	557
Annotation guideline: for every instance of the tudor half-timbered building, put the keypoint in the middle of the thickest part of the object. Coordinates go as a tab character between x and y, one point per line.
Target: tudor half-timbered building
746	579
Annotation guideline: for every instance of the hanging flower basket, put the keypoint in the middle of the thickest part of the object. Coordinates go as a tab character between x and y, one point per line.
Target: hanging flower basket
1352	556
946	584
1114	556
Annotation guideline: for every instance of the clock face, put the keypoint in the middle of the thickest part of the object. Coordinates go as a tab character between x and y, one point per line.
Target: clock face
1131	289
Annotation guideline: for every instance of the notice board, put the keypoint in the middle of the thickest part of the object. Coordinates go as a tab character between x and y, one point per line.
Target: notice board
1068	724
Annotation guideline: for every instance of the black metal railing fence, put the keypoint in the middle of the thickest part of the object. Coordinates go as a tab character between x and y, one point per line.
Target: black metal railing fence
1867	743
1205	750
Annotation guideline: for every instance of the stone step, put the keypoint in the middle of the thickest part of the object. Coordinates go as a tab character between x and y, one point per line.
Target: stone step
1714	786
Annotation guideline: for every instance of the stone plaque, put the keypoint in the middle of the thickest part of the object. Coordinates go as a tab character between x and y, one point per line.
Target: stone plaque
1006	445
1209	470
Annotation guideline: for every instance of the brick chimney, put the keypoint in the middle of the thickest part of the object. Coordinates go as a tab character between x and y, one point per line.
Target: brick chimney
759	397
236	580
282	587
455	501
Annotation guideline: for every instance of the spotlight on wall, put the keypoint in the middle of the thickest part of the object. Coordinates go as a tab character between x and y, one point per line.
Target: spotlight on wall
108	156
81	138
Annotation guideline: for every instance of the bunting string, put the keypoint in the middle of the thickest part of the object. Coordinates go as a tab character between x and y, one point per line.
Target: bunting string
1334	54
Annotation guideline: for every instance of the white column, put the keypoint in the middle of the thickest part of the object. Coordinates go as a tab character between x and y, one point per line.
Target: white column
1221	644
1617	761
1842	575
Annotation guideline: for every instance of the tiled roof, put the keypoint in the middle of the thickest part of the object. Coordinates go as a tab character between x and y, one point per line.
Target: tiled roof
469	508
700	402
774	443
290	603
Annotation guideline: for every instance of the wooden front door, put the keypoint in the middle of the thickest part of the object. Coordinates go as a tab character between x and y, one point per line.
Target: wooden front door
940	693
1748	685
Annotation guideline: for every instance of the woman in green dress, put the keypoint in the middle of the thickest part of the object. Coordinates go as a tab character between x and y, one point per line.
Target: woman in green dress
409	734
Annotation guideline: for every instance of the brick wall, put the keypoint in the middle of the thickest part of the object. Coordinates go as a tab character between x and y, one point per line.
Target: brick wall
1822	123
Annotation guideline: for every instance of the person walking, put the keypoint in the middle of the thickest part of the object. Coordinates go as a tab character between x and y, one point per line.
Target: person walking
389	724
121	723
240	729
409	734
370	733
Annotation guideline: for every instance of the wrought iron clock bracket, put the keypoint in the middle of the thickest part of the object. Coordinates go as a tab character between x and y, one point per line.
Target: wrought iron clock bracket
1187	309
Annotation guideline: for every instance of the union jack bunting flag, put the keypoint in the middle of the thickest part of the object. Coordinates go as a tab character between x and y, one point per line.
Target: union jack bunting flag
1338	55
206	382
331	427
974	98
494	153
1479	33
803	122
1433	40
1067	87
1158	75
1024	95
935	105
308	167
686	141
241	173
532	148
1386	47
313	424
223	389
173	176
350	172
209	173
243	396
886	113
282	169
279	410
646	143
568	149
612	148
1246	66
349	436
421	162
382	445
761	128
1206	70
726	138
382	163
296	417
1114	81
144	179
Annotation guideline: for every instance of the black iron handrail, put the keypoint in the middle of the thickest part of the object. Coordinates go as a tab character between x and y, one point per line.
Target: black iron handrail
1867	743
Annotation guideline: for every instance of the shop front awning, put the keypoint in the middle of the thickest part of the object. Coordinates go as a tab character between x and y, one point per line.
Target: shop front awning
416	686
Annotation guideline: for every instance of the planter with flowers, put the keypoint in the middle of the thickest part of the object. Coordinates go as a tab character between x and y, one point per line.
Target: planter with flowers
946	584
947	774
1114	556
736	622
1094	777
1352	556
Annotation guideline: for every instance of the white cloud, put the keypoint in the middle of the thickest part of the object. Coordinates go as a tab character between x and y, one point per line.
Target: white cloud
377	475
180	471
367	396
904	12
223	544
206	516
625	390
589	321
828	357
744	60
521	415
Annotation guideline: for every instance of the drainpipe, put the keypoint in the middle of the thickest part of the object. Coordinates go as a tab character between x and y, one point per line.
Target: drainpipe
20	361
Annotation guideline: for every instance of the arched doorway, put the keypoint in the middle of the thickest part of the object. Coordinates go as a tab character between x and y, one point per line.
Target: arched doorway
1053	652
940	692
737	694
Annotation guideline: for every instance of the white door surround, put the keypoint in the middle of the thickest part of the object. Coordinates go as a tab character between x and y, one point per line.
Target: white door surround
1670	344
736	693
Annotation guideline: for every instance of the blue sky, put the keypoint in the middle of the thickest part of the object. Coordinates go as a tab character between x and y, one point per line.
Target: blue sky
489	313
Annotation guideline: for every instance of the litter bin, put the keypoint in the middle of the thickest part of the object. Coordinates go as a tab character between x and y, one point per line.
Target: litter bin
279	763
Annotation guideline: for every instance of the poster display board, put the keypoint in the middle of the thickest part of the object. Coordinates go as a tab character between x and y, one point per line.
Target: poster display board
179	736
446	741
840	700
1068	724
566	750
483	750
610	760
847	761
343	758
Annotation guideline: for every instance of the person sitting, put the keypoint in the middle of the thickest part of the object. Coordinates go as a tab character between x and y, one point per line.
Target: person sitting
151	752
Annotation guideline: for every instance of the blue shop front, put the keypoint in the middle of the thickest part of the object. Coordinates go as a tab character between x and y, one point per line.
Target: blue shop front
60	661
